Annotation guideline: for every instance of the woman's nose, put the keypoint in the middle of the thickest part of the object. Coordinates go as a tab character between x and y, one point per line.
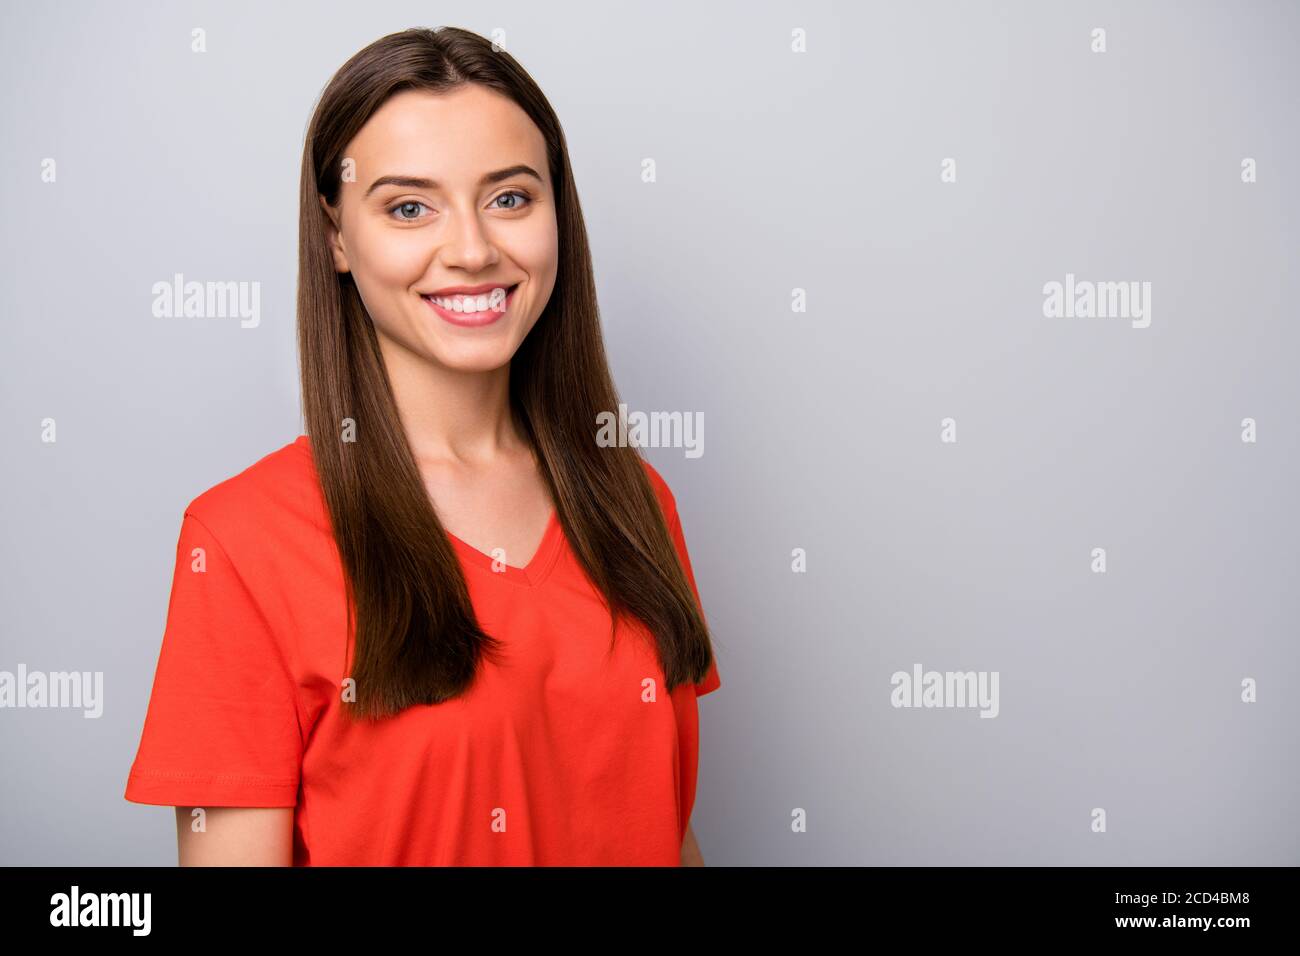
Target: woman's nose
466	244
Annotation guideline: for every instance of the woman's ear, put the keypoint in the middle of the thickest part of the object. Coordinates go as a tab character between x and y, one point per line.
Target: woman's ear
334	238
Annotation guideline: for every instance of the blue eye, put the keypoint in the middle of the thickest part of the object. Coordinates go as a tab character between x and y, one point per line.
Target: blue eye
516	194
404	205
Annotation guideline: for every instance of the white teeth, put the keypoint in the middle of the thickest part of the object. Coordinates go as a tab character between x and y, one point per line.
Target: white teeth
472	303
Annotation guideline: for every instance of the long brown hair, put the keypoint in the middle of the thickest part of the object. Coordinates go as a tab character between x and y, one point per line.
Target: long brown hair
417	640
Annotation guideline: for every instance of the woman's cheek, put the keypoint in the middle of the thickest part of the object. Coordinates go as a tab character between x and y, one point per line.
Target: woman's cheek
398	259
539	248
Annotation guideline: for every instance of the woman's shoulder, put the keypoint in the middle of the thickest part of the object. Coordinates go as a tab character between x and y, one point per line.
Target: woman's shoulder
665	493
259	498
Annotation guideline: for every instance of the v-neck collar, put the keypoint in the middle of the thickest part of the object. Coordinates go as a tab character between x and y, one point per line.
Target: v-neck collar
530	575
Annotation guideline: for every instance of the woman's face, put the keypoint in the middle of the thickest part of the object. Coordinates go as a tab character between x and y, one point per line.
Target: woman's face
462	214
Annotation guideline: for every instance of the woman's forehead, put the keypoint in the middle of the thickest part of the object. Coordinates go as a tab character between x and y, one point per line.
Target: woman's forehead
448	136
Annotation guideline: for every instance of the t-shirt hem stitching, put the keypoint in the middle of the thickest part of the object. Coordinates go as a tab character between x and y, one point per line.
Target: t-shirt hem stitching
215	777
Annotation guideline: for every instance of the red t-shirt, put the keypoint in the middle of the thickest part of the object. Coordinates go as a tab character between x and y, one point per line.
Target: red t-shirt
565	755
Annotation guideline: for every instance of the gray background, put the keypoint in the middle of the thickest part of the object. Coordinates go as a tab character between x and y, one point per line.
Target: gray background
775	171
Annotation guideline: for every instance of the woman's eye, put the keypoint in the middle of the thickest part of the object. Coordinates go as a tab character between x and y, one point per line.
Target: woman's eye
409	211
402	208
513	194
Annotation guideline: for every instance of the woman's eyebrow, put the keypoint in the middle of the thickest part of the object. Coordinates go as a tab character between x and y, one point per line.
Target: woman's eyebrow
419	182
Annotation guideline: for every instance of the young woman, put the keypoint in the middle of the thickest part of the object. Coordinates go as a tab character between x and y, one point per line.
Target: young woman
447	626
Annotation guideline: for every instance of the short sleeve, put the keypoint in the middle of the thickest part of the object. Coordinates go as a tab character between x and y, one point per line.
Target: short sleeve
222	724
711	680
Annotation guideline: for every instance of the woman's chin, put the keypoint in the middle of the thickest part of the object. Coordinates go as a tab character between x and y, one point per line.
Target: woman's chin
472	356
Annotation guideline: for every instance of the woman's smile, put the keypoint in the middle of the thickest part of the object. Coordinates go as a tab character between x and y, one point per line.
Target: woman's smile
471	306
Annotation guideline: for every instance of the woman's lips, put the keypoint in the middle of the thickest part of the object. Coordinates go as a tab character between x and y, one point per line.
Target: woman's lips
473	319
